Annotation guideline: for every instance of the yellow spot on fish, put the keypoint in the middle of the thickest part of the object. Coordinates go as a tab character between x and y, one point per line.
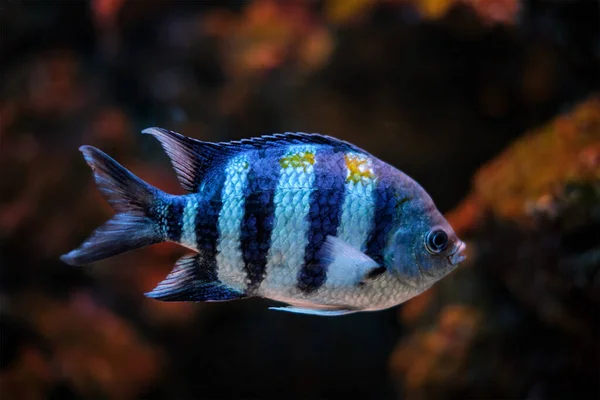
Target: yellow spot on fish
359	168
301	159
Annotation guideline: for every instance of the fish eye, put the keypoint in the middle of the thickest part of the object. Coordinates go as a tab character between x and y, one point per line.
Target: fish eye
436	241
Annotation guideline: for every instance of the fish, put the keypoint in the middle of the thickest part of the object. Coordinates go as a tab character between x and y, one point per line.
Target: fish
304	219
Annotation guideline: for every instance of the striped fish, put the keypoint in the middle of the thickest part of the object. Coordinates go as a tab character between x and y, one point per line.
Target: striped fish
304	219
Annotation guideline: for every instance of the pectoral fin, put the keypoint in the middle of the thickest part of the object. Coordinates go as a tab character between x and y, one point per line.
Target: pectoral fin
347	265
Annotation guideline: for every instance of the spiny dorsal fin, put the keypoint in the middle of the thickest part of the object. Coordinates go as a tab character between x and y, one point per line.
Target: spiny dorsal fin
193	158
190	157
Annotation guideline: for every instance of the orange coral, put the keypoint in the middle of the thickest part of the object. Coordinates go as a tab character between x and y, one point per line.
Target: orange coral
439	353
533	165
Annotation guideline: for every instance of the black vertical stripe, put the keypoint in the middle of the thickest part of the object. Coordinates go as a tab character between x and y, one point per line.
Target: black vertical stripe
324	216
259	213
386	203
173	219
207	220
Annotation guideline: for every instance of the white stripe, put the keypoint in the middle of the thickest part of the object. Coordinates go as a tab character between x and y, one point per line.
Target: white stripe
358	209
188	231
230	261
290	229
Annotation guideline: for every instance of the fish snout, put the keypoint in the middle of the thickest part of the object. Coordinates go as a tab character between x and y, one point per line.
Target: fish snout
458	256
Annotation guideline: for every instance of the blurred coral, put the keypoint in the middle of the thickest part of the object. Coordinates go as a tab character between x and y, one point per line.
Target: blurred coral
96	352
268	34
435	87
345	11
532	223
435	357
521	182
490	11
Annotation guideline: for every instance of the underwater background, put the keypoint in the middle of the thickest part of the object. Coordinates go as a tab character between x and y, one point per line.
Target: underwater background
493	106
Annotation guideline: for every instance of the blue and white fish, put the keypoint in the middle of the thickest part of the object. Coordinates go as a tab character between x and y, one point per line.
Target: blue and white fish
303	219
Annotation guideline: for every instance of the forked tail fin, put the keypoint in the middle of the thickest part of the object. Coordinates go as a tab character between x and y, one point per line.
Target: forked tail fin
133	200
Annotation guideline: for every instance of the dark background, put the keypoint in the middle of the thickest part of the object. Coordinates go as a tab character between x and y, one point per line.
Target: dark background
434	87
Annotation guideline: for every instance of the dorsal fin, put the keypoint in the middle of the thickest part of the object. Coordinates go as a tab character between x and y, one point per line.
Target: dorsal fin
190	157
193	158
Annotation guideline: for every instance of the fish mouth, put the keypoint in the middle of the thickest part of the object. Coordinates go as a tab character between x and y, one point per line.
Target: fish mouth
458	255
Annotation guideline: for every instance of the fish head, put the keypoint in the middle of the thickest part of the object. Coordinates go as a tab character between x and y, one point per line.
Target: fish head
424	247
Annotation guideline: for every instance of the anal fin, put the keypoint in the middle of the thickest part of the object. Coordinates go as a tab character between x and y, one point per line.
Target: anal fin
190	282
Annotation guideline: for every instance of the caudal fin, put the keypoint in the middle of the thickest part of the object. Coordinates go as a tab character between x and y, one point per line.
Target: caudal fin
131	227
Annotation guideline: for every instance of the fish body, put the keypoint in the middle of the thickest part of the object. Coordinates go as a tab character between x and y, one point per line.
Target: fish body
303	219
